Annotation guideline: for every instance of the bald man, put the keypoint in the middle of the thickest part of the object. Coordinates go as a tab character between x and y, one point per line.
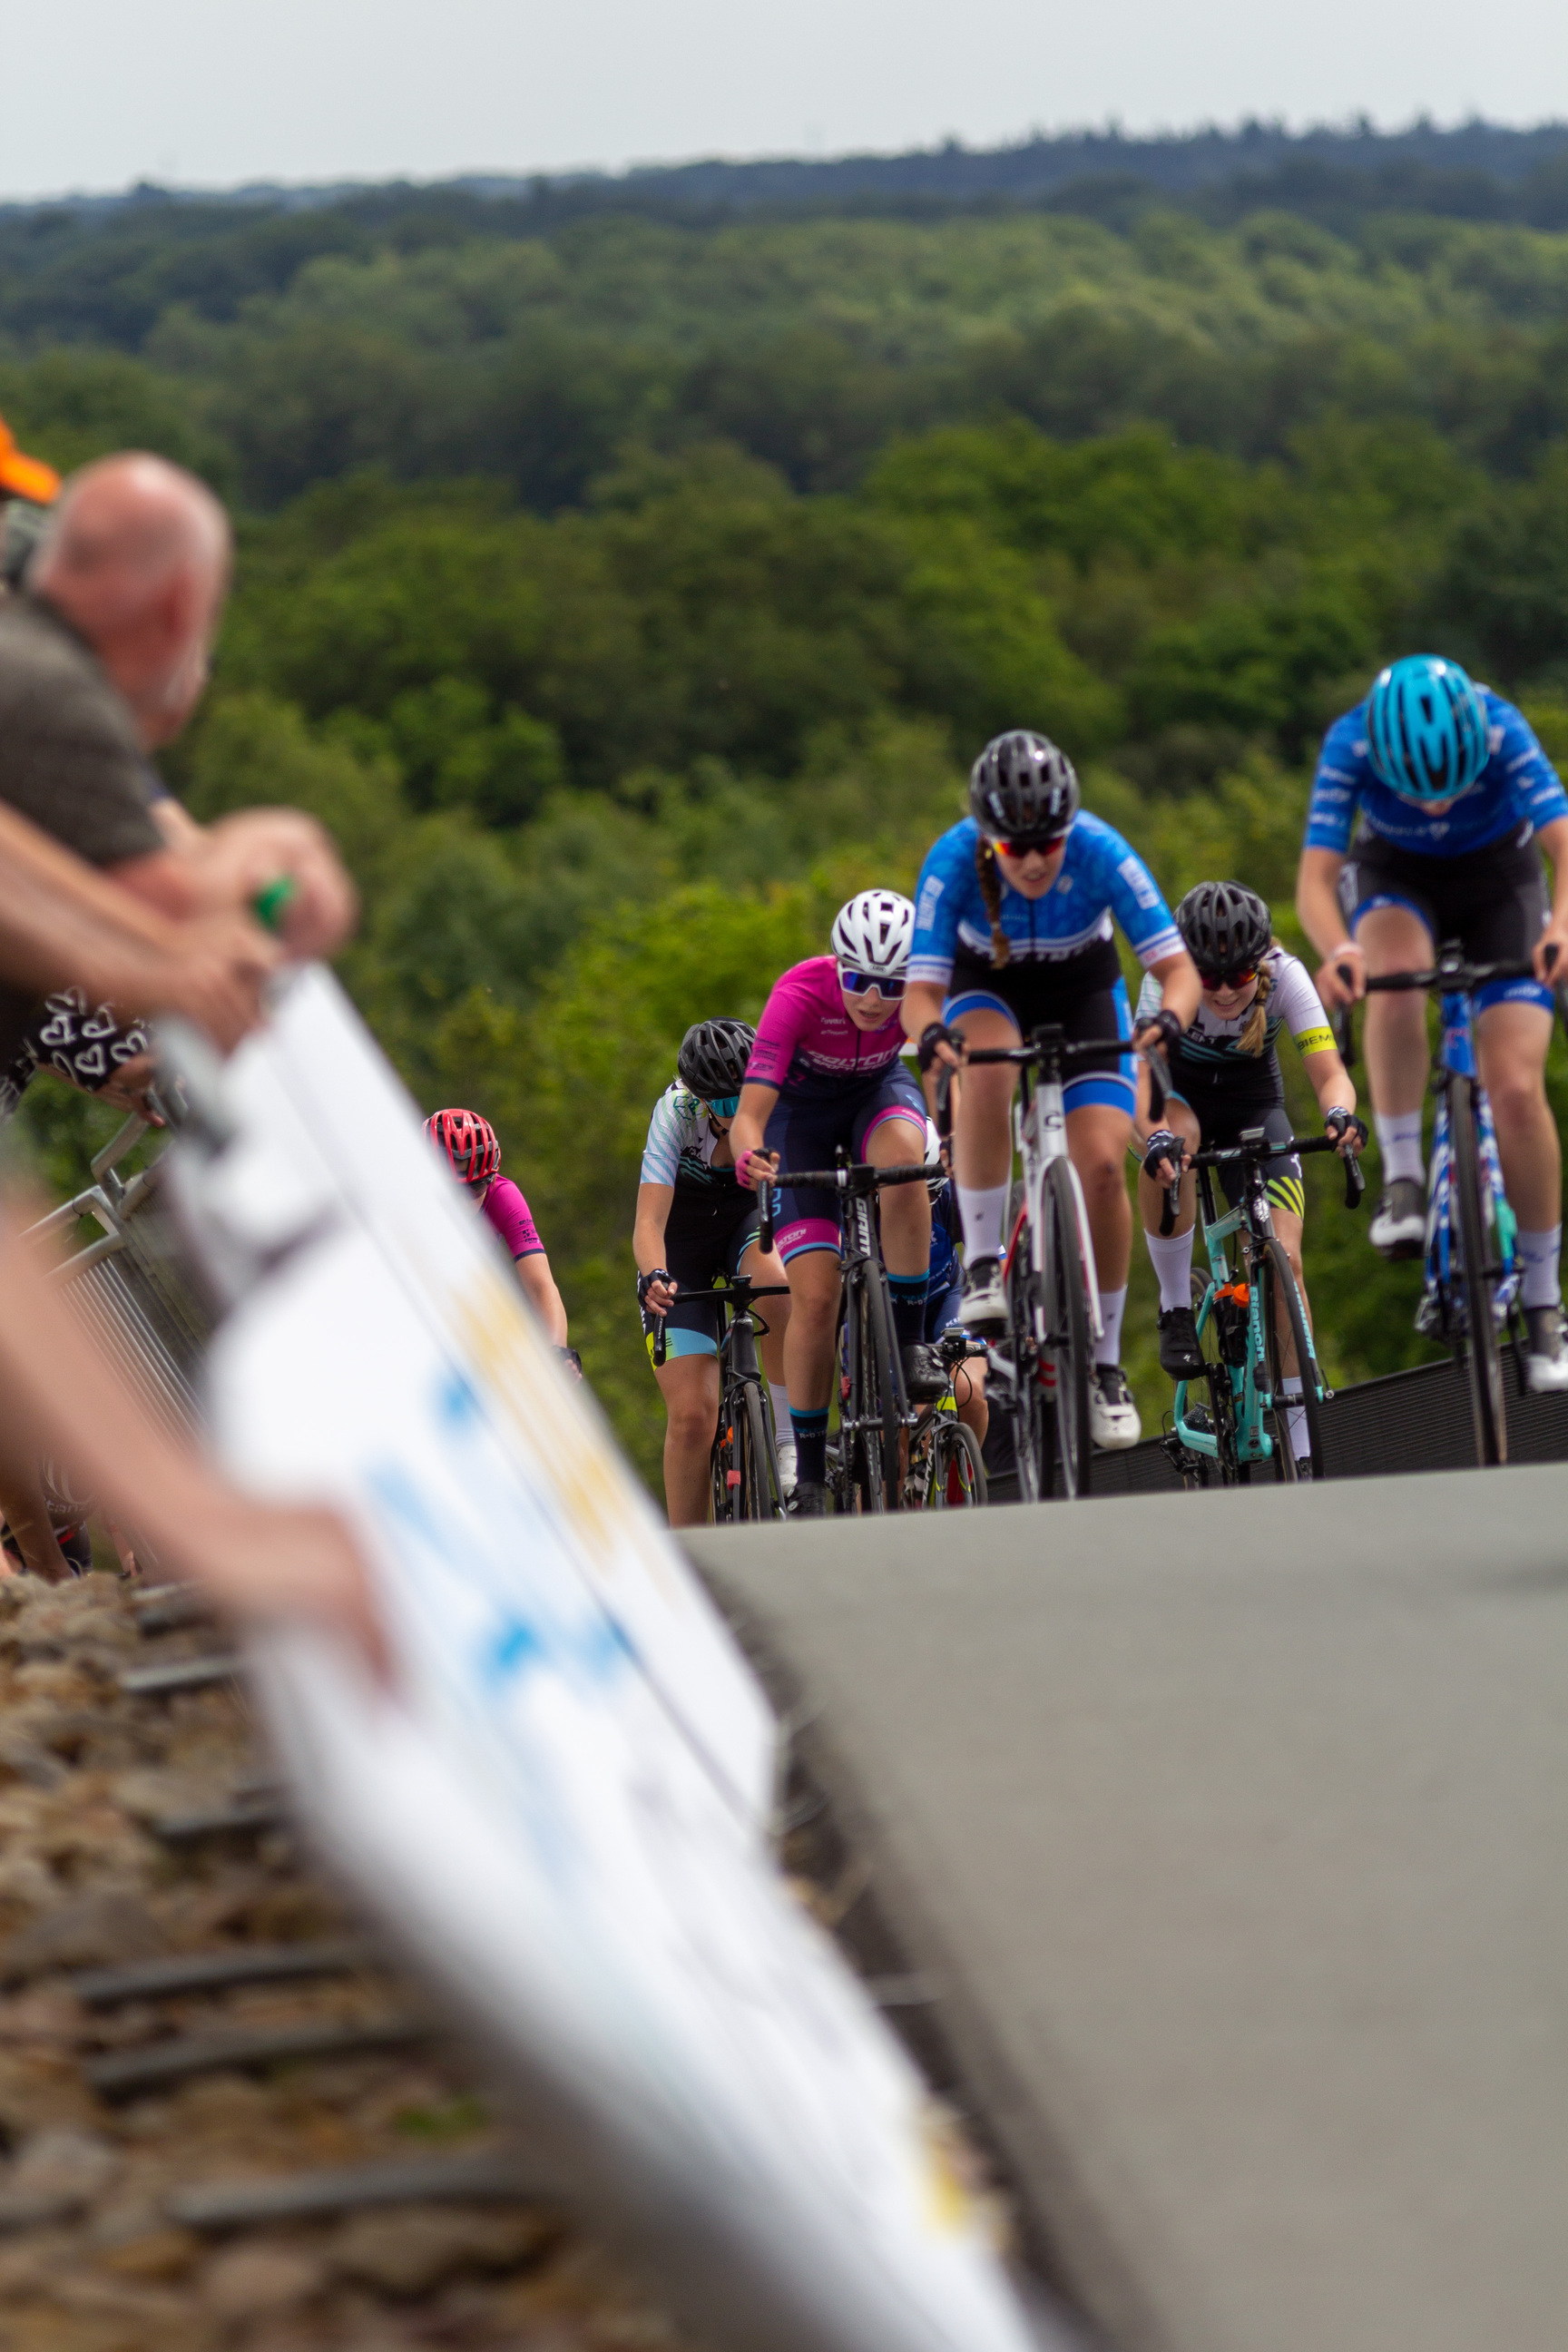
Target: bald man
102	660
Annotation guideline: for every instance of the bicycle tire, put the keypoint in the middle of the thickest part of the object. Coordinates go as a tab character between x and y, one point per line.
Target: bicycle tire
720	1461
1221	1387
1278	1276
1066	1300
1483	1358
757	1488
867	1475
889	1368
957	1472
1026	1408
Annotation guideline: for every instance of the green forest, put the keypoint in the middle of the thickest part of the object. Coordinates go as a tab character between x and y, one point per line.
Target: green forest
625	593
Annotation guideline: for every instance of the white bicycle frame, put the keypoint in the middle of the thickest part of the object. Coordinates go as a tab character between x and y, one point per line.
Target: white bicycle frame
1040	1135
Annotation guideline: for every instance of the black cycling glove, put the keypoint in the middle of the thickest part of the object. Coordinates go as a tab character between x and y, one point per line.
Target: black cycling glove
934	1034
1336	1121
1165	1022
1163	1145
646	1281
572	1360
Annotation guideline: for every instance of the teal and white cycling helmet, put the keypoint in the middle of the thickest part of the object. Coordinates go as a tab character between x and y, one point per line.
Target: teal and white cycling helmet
1426	729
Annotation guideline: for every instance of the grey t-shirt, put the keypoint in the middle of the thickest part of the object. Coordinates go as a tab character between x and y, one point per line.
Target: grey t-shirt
70	760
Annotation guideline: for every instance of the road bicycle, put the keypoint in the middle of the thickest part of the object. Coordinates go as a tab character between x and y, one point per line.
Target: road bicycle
946	1471
873	1405
1040	1370
743	1468
1472	1288
1240	1305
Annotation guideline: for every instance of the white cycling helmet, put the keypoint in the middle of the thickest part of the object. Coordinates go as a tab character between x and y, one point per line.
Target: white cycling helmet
872	934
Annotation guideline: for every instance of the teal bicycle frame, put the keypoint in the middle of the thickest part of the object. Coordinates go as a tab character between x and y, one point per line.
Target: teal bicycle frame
1232	1312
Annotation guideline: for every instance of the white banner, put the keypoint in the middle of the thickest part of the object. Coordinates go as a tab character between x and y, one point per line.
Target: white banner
561	1812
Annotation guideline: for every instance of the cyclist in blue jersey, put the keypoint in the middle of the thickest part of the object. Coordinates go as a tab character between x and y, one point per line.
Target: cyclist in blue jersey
1432	804
1014	927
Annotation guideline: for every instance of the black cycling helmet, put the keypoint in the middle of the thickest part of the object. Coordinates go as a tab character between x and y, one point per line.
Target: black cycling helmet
1022	788
1225	929
713	1056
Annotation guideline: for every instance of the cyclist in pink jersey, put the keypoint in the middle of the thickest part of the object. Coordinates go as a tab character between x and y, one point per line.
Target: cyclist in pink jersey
471	1148
825	1072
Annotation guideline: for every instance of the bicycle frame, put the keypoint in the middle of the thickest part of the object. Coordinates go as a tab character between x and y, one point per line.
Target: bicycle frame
1040	1135
1249	1401
1442	1309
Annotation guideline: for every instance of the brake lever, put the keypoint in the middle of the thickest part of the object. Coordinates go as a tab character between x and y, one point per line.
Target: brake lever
1170	1209
1355	1181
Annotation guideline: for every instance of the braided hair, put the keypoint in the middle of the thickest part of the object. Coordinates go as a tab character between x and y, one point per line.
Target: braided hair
990	879
1254	1037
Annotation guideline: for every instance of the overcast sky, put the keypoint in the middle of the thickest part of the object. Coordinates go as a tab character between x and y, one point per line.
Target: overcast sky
215	92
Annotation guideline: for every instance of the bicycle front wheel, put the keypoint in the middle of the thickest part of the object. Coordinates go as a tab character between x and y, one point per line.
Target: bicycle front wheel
1278	1288
869	1371
1219	1413
957	1471
758	1472
1025	1405
1479	1246
1066	1298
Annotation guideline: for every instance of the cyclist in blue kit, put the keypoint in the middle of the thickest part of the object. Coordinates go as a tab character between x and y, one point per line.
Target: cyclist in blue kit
1432	804
1013	928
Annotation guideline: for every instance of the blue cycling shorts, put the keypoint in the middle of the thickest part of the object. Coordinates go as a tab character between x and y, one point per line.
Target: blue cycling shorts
807	1131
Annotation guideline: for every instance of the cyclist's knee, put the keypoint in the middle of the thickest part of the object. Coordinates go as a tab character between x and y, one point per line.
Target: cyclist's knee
1518	1098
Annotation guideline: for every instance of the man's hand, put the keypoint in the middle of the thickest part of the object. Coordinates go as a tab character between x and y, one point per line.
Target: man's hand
1342	979
216	976
268	1563
241	856
127	1089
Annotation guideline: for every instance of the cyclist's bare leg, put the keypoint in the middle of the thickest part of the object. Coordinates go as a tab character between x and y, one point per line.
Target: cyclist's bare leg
1511	1044
689	1385
1395	939
969	1395
1097	1137
773	1312
982	1126
1151	1196
813	1328
904	1209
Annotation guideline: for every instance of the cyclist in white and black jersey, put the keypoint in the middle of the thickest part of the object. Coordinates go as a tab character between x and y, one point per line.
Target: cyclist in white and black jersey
696	1225
1226	1077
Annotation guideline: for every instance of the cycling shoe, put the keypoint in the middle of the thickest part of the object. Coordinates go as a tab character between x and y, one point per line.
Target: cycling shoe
809	1501
1181	1358
1399	1228
983	1306
1546	1362
1114	1420
925	1374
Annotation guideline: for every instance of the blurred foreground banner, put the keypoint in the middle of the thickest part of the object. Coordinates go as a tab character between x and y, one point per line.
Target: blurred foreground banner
561	1815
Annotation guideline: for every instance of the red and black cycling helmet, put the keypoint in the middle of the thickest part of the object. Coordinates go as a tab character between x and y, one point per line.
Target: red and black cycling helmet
468	1143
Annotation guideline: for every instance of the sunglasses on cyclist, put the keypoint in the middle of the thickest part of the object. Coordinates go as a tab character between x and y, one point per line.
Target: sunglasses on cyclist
1212	979
724	1105
1031	844
860	983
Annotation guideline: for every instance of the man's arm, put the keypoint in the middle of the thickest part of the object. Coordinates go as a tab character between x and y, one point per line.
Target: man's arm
539	1289
207	870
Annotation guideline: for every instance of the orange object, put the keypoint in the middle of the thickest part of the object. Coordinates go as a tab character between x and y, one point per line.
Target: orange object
1236	1290
26	478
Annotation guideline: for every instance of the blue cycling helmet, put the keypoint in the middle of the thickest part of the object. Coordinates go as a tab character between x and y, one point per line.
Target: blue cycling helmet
1426	729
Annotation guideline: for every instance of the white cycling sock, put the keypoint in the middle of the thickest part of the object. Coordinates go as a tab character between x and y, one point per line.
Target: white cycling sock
1112	1307
1539	1253
1399	1143
1172	1255
779	1399
1295	1418
983	1208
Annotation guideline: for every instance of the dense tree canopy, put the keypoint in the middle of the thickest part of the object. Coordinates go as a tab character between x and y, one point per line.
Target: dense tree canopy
625	592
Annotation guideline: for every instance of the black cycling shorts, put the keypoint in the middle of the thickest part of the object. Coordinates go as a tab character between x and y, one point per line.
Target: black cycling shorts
1492	900
1084	995
1224	1107
706	1236
808	1130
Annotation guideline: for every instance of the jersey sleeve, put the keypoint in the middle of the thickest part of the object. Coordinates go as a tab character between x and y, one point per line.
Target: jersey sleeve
1150	998
1134	898
1301	1007
1526	765
508	1212
778	1032
661	1152
937	908
1337	786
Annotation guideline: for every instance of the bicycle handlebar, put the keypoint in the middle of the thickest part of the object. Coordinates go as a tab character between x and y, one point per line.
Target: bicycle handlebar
1159	1085
1453	974
855	1176
740	1293
1297	1147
